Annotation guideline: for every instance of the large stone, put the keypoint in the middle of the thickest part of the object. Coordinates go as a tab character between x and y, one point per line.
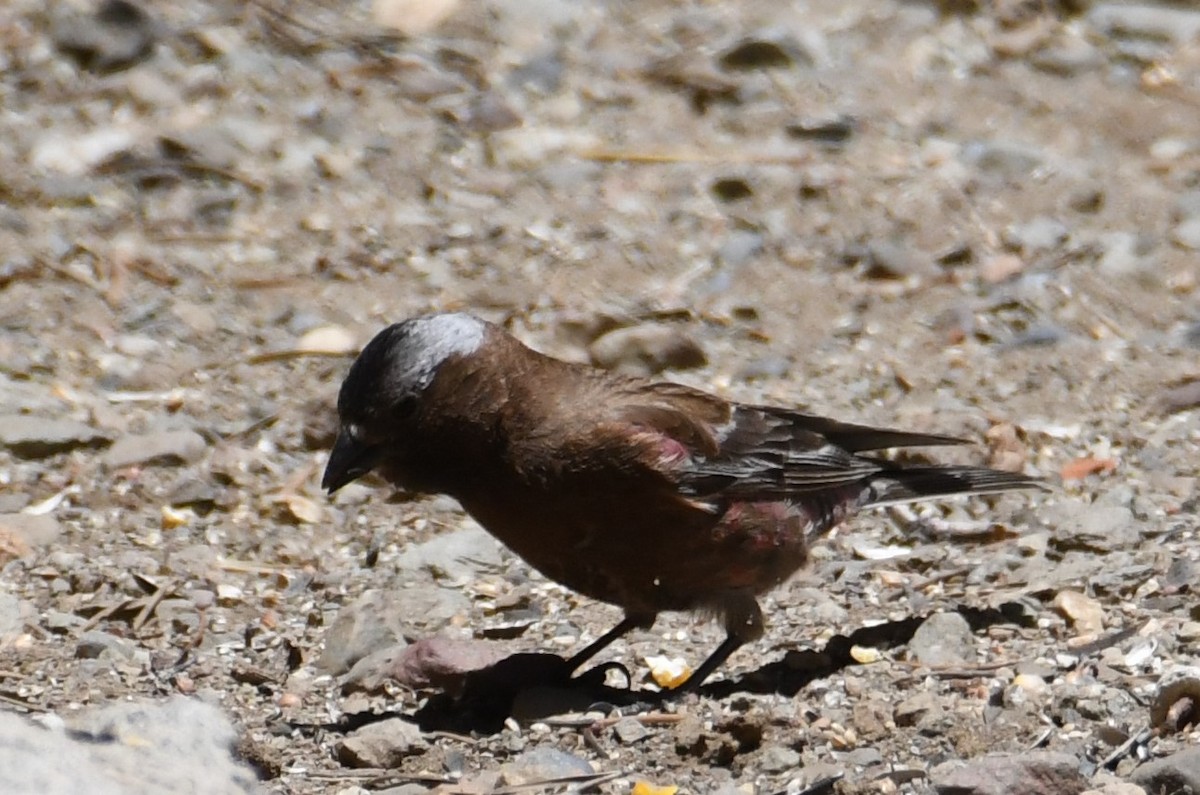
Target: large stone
543	764
142	748
30	436
163	447
381	745
1178	772
1030	773
458	556
942	639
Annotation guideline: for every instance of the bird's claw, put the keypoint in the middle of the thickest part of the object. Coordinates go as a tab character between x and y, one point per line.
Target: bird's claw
596	675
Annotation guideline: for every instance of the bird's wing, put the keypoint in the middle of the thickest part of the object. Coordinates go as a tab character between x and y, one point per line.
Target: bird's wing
766	453
714	449
755	452
854	438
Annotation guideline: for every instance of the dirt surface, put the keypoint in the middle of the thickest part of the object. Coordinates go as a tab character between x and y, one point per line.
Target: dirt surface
980	221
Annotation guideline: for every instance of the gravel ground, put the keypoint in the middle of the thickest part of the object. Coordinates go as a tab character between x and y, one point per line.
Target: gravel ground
979	219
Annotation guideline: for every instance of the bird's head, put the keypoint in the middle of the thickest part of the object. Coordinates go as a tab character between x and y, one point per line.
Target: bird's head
382	395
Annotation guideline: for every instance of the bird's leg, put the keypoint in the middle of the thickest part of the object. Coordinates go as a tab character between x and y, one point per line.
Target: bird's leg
631	621
743	622
714	661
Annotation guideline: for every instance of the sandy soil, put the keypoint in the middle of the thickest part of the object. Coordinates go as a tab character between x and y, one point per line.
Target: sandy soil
981	223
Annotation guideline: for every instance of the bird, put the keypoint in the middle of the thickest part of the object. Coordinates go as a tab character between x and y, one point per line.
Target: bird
648	495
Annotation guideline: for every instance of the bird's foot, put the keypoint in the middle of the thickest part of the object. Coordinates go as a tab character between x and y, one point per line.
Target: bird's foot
597	676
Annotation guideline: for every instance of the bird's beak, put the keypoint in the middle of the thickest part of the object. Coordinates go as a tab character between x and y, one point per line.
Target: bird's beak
350	459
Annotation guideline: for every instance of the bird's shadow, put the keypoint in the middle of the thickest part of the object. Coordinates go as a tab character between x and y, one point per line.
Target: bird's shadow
531	686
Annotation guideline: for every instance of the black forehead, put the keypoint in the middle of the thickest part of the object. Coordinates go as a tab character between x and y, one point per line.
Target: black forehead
367	380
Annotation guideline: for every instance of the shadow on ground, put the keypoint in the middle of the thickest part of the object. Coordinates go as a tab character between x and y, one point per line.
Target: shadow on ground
532	686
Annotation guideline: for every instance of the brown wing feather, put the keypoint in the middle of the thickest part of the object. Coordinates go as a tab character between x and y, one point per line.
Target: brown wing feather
681	413
763	455
751	453
851	437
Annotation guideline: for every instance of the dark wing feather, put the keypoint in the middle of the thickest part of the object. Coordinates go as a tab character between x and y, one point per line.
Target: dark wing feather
751	451
905	484
764	454
768	453
754	453
856	438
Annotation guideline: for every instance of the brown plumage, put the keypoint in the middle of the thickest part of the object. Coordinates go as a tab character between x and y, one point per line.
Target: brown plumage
647	495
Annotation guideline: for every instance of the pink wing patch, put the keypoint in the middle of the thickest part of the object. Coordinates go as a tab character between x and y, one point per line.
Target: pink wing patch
672	452
669	453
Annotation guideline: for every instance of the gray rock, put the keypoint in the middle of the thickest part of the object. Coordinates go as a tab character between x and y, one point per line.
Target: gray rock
382	745
488	112
942	639
457	556
30	436
1182	572
1068	56
914	709
820	776
30	763
94	643
1115	788
863	757
117	35
821	607
1039	234
200	318
778	759
1124	253
1003	158
368	624
740	247
647	349
180	745
191	490
543	764
543	72
13	613
768	367
1175	773
58	621
13	502
870	718
1145	21
1030	773
73	156
1187	205
1097	527
1187	233
630	730
372	672
403	789
20	397
1037	335
163	447
890	259
33	531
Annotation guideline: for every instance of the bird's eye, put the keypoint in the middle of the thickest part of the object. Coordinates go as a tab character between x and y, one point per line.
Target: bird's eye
404	408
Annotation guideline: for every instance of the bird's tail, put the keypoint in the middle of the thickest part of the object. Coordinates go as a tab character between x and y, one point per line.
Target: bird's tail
920	483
